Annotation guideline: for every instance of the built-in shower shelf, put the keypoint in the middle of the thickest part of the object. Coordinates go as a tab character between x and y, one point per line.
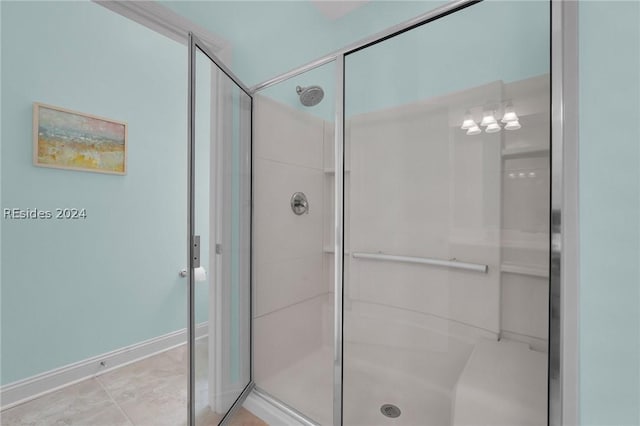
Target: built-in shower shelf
528	270
530	151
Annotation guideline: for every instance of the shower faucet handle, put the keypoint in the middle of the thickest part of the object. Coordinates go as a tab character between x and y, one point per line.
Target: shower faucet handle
299	203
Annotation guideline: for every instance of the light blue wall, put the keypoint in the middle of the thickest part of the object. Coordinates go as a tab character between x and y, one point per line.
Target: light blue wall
609	64
76	289
271	37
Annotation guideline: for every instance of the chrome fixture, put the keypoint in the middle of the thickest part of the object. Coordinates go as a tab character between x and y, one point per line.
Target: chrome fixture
299	203
390	410
310	96
452	263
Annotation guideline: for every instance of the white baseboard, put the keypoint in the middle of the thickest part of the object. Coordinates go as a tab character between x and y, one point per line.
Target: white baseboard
25	390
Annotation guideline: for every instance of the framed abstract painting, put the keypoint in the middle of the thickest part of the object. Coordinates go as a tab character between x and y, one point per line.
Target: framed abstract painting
66	139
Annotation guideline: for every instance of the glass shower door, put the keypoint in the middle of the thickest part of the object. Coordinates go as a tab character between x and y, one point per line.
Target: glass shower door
446	284
219	229
292	245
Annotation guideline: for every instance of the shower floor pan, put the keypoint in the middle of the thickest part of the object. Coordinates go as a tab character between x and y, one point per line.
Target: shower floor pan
415	370
427	367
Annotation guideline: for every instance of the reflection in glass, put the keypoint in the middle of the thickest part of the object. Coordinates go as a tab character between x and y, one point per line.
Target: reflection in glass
430	175
222	213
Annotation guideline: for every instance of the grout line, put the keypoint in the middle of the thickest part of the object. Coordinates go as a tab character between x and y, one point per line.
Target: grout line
314	256
433	315
114	401
528	336
307	299
318	169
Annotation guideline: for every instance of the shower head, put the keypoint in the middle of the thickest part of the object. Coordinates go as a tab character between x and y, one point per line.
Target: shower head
310	96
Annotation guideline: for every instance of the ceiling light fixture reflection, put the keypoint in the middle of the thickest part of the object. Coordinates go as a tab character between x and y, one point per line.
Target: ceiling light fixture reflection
475	130
488	119
493	128
513	125
509	114
468	122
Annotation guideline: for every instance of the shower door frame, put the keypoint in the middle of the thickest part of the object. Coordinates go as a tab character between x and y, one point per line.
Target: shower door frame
194	44
563	266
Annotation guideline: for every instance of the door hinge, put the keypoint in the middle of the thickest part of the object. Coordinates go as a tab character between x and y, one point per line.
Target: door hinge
195	247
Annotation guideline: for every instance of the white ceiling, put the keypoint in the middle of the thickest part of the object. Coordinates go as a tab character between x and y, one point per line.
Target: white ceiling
334	9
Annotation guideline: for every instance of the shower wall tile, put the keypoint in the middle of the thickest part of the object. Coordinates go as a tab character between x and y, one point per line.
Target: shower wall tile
398	184
526	200
328	270
526	249
278	233
290	271
329	145
525	220
419	188
329	204
475	296
531	140
287	256
283	283
531	162
286	135
475	181
525	305
468	297
286	336
329	182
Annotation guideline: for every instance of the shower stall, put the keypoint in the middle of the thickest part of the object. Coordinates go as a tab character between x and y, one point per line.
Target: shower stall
380	221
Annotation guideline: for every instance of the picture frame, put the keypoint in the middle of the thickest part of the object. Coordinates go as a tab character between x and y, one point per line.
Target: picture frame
73	140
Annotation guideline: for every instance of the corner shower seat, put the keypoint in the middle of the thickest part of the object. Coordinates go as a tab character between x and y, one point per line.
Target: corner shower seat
503	384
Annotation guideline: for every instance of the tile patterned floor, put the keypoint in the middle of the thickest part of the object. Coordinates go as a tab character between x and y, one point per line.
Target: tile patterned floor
151	392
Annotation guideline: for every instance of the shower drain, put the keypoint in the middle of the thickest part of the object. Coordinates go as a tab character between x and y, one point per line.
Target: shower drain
390	410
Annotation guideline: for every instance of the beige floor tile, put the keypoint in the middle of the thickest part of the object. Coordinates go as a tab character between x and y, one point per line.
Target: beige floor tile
246	418
82	404
150	392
